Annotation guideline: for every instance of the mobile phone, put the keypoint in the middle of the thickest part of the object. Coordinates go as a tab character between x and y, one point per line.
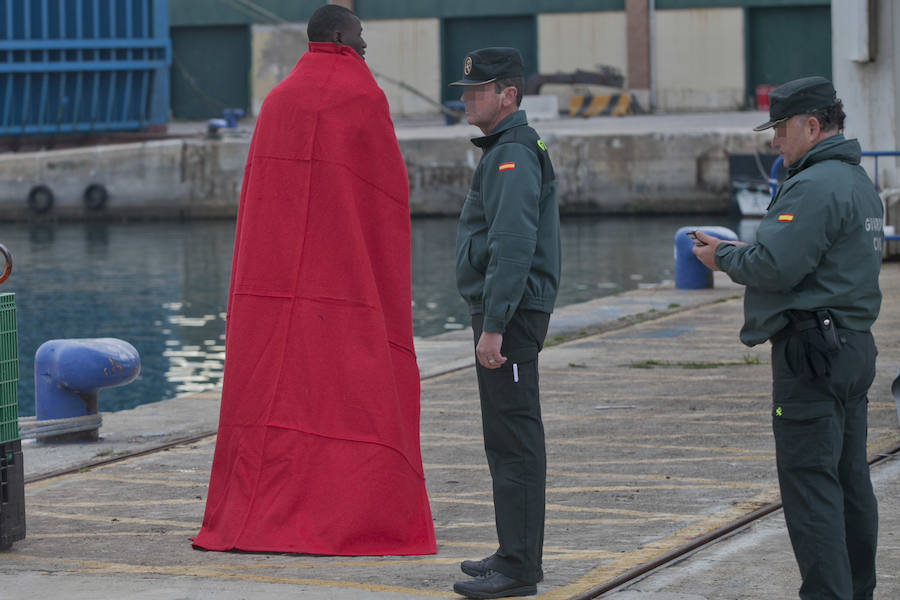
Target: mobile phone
695	239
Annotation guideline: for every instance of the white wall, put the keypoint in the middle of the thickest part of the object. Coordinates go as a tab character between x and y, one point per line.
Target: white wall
699	59
274	50
406	50
869	89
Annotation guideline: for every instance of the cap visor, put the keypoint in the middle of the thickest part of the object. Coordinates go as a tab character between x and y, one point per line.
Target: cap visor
769	124
472	82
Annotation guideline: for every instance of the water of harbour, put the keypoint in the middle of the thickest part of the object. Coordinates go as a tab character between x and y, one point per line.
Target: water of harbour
162	287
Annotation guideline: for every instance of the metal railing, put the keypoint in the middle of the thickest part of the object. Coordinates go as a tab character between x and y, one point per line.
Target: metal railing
876	154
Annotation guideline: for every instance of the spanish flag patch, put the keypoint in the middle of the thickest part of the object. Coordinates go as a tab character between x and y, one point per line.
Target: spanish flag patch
783	218
507	166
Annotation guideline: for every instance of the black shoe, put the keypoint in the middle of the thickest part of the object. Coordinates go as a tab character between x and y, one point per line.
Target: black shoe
477	568
493	585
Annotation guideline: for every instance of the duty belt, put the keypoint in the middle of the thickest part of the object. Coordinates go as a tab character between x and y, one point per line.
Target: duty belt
821	338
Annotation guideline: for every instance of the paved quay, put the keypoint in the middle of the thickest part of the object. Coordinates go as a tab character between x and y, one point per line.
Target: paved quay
658	432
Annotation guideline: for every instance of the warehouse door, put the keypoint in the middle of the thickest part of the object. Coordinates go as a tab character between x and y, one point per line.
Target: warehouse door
787	43
461	36
210	70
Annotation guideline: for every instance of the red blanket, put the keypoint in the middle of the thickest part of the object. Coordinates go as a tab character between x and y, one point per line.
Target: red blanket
318	442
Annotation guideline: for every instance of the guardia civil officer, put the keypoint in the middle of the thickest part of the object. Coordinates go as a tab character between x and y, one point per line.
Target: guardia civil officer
507	269
812	289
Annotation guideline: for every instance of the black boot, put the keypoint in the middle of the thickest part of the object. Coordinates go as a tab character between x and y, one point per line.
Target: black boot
477	568
494	585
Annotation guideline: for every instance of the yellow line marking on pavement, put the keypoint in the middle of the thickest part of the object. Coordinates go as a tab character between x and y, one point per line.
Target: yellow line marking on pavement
633	476
480	545
171	502
641	515
661	461
447	560
579	509
725	485
110	519
491	524
457	444
140	480
93	534
436	467
649	437
653	550
548	549
451	436
717	449
107	568
635	461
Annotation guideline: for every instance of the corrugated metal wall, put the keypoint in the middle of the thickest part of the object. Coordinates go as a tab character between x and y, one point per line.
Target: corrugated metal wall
83	66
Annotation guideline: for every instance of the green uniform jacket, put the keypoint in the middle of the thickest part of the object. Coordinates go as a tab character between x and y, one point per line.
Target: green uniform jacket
818	247
507	243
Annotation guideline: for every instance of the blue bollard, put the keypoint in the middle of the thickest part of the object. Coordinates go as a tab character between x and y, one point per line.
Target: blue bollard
690	273
68	374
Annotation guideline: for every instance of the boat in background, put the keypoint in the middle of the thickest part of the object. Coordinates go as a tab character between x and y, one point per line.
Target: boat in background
753	179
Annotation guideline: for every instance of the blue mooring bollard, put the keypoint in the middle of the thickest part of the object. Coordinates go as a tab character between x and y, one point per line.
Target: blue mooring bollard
68	374
690	273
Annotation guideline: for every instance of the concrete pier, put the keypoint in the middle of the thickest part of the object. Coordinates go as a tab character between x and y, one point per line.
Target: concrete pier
658	432
633	165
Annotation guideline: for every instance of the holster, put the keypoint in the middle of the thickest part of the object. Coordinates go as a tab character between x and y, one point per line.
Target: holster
819	334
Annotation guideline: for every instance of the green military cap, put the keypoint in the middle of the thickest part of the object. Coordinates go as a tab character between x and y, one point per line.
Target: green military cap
490	64
798	97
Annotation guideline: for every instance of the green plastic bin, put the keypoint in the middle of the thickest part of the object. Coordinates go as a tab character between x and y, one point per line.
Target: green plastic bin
9	370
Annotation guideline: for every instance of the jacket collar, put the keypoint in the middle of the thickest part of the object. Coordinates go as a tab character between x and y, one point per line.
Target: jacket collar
833	147
517	119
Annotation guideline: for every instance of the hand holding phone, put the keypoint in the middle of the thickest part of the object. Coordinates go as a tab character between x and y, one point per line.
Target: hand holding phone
695	239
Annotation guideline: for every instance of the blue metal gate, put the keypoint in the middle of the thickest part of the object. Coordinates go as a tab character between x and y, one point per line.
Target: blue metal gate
83	66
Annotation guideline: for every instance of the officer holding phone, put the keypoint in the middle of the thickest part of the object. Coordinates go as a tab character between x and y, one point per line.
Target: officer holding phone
812	290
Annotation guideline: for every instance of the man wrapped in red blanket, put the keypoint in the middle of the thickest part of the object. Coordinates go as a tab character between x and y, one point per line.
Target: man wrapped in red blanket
318	441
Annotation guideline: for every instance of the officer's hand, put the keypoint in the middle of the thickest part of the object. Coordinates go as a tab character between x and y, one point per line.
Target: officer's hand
705	249
488	350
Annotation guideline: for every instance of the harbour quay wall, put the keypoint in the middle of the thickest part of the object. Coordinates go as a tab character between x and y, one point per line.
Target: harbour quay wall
597	173
165	179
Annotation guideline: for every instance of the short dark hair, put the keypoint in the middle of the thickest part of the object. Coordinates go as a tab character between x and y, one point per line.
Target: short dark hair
830	117
326	20
516	82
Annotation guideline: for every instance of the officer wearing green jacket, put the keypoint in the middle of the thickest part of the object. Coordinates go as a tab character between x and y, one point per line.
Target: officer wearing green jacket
507	270
812	290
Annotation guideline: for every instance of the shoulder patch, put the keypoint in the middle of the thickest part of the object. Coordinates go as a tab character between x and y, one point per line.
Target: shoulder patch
542	145
785	217
507	166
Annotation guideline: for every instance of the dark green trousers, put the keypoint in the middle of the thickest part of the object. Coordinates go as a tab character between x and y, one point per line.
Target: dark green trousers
820	446
514	445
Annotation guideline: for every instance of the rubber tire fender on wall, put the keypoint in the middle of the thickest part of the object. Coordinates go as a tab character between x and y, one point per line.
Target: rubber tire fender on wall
40	199
95	196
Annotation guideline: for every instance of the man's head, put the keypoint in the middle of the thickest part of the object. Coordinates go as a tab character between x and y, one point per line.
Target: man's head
803	112
333	23
493	83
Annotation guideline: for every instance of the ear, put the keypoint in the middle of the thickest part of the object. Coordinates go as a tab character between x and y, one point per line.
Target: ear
509	96
337	37
812	127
